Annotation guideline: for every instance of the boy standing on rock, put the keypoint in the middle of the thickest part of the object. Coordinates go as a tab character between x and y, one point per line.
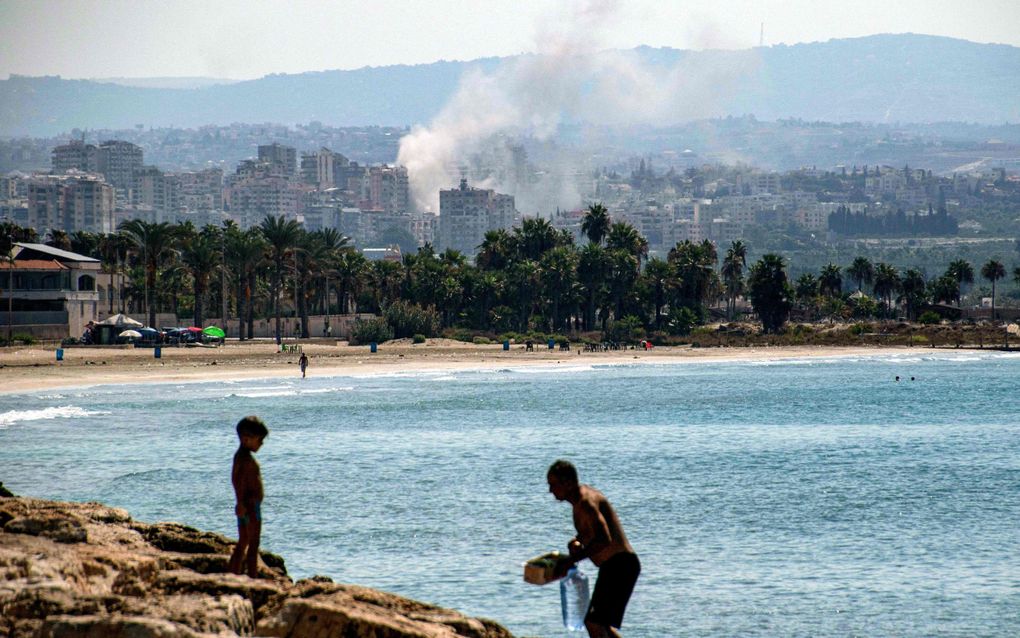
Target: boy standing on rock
247	480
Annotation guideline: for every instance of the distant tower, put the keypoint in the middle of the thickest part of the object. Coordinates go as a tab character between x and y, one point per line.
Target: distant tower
761	37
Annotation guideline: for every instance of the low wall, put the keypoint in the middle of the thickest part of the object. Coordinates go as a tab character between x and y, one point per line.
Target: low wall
41	331
290	327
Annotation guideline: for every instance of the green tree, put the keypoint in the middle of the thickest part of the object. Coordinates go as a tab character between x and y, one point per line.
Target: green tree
913	292
156	243
57	238
595	223
623	236
592	273
658	274
283	236
200	255
246	250
558	273
770	292
861	271
830	281
732	272
993	271
887	283
962	272
806	290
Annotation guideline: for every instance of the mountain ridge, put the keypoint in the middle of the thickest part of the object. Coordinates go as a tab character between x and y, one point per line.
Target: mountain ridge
879	78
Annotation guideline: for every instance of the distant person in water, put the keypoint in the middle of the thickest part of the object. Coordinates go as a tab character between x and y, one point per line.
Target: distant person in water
303	364
247	480
599	537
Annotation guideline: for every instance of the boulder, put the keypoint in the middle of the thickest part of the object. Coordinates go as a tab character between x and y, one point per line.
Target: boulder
85	569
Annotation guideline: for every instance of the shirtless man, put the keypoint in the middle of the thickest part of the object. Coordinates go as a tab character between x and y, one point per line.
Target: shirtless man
247	480
599	537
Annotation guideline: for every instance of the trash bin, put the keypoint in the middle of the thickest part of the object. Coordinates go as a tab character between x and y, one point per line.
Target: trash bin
372	346
552	344
506	344
157	352
60	354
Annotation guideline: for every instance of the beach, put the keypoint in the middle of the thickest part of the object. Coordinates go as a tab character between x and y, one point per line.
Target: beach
30	368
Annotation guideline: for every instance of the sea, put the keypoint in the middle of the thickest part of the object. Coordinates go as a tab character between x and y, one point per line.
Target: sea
793	497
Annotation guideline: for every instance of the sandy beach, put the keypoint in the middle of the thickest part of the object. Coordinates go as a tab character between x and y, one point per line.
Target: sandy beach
25	369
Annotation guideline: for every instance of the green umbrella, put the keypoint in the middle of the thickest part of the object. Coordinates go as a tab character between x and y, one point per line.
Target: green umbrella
214	331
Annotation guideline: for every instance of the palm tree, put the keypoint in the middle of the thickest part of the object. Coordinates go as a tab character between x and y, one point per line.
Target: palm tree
861	271
246	250
497	250
592	271
623	236
282	236
963	273
830	281
595	224
200	255
11	234
156	243
558	273
770	292
993	271
658	274
887	282
913	292
351	267
58	239
534	237
84	243
732	272
806	289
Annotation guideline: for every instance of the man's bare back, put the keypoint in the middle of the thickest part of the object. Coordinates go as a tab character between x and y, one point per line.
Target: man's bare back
598	527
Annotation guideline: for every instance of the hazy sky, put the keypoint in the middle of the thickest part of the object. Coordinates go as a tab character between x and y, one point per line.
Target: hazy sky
251	38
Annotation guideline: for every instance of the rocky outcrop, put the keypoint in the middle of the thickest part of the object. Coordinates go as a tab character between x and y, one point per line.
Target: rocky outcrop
84	570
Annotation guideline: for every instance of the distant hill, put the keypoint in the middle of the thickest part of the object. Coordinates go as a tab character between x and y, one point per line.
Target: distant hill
882	78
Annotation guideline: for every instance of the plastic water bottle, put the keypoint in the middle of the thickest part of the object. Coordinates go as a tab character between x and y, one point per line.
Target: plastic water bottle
574	598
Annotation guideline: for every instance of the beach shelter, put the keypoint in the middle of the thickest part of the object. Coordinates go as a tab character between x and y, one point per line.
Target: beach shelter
121	321
107	330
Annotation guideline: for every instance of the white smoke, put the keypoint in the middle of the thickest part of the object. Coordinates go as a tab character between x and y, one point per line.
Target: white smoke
568	80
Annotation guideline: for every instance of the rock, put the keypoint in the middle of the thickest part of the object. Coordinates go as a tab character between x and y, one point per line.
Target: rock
88	570
4	492
62	530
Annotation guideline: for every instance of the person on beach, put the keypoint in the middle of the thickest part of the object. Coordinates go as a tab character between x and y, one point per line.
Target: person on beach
303	364
599	537
247	480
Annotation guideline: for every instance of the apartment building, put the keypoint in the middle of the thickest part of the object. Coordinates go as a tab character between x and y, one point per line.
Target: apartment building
75	155
70	202
284	156
466	213
117	161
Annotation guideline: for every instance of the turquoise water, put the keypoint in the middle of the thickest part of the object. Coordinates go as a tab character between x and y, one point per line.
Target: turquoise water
793	498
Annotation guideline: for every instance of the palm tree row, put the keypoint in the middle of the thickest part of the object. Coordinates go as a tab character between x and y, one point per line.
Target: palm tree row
532	277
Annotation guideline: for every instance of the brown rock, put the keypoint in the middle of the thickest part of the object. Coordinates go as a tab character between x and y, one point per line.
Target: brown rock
87	570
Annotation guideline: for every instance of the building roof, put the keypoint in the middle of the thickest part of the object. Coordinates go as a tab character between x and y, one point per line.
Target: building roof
33	264
64	255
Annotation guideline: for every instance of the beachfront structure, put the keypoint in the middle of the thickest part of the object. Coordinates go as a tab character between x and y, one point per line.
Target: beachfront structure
54	291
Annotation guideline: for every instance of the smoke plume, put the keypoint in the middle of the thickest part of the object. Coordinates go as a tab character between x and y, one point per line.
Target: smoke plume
568	79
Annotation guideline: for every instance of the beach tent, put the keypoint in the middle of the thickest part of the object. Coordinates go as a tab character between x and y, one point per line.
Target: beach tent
107	330
120	321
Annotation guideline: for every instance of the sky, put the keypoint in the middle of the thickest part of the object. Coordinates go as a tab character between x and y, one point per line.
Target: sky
252	38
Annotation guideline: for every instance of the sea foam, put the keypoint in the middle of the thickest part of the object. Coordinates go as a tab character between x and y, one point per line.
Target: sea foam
61	412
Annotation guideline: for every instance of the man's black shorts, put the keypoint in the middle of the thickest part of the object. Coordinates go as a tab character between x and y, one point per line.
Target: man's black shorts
613	589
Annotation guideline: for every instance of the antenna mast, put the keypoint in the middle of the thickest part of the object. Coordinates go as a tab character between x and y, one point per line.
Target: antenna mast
761	38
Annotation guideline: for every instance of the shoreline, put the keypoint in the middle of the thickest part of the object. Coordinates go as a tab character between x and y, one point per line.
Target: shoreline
31	369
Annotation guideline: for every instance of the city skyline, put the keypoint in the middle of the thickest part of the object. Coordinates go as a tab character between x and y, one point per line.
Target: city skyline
231	40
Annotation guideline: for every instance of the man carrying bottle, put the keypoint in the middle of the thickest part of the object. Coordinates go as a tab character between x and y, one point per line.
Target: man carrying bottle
599	537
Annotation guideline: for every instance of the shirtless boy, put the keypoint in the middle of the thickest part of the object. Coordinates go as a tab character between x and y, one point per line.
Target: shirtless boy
599	537
247	480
